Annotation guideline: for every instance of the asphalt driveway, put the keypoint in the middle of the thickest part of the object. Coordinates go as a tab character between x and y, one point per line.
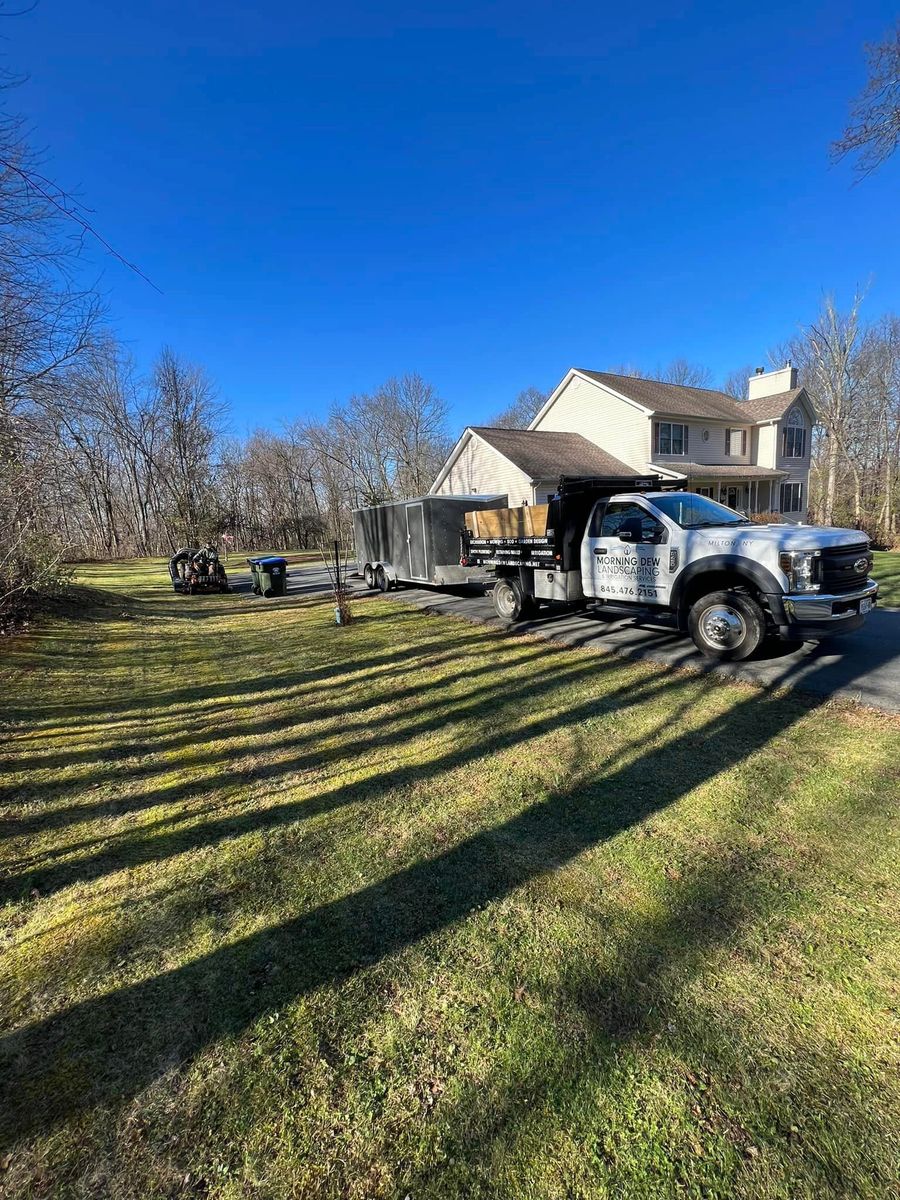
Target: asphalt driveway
862	666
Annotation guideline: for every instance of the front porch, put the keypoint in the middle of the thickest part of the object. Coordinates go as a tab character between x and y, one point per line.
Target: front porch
745	488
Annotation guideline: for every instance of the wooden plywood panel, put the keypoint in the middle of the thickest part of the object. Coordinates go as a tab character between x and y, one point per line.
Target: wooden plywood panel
528	521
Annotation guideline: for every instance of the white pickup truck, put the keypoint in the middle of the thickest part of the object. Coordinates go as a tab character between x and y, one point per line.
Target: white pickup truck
728	582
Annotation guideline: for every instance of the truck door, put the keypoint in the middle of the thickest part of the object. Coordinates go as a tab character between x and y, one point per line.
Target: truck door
635	571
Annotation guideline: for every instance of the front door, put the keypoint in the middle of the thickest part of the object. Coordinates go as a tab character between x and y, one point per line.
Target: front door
415	541
733	496
633	571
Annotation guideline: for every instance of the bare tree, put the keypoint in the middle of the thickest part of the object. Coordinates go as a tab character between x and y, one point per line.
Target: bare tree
829	355
873	132
522	411
688	374
735	382
679	370
190	416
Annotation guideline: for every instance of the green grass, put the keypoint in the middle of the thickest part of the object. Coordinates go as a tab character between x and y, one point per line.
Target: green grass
886	569
413	908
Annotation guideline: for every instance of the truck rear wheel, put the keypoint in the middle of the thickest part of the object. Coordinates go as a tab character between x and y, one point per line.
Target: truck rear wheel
727	626
510	601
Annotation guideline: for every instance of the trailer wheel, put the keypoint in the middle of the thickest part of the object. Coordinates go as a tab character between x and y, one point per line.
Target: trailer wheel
510	602
727	626
369	575
381	580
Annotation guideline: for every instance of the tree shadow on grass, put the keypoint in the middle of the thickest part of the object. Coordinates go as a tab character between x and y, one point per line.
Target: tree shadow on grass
102	1051
321	704
630	1007
179	833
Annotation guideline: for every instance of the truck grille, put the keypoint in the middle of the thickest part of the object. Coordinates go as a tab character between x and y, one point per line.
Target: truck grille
841	567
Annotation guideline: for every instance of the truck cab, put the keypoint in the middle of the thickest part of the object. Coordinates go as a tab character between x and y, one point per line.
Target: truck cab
728	582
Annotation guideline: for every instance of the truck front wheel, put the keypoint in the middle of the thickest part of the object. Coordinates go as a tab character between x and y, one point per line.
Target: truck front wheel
510	601
727	626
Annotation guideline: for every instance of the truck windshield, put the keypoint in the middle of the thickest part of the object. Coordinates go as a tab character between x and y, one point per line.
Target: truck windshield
697	512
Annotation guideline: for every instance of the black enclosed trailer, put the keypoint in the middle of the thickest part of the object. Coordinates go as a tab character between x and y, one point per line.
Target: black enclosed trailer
416	541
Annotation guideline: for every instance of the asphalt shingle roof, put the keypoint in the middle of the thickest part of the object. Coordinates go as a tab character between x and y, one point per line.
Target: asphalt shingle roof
767	408
675	399
543	454
719	470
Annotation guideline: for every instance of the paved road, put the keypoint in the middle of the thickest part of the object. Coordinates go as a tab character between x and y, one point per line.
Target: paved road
862	666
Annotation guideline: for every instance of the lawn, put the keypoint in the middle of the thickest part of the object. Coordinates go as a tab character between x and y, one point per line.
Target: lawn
412	908
886	569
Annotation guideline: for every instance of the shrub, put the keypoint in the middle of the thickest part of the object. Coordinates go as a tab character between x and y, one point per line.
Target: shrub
766	518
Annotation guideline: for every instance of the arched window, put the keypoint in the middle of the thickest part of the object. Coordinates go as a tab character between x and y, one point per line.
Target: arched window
793	438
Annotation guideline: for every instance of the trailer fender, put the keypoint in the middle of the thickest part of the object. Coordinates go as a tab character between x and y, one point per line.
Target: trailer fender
389	571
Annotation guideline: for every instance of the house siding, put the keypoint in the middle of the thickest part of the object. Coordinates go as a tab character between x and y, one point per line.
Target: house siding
711	452
797	468
766	443
792	464
613	425
482	470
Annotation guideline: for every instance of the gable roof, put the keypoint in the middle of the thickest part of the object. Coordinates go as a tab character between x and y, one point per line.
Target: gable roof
769	408
675	399
543	454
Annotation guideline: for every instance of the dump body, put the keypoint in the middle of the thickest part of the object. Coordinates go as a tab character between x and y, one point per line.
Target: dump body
417	541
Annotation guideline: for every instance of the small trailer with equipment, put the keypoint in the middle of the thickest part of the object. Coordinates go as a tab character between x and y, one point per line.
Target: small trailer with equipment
197	570
632	545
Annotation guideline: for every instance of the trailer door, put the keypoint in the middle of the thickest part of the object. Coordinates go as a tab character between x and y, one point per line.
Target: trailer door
415	541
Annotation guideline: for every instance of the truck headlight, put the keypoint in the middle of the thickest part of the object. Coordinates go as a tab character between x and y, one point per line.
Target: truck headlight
803	569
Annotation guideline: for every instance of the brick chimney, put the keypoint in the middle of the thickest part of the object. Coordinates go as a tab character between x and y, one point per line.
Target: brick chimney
770	383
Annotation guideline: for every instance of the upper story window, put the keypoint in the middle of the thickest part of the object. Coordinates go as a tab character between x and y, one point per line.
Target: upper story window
669	438
793	438
736	442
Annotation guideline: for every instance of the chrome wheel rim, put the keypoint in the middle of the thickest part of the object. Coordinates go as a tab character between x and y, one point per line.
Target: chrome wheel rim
722	627
505	601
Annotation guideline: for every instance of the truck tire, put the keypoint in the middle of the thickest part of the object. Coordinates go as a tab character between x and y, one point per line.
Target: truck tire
727	626
381	580
510	602
369	575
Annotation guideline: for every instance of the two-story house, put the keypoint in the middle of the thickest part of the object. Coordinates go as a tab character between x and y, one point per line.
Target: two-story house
751	454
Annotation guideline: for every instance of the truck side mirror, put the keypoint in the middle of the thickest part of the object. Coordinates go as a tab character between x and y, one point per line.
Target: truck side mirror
630	529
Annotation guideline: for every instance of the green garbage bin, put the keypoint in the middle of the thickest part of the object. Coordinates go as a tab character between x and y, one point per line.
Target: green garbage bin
269	575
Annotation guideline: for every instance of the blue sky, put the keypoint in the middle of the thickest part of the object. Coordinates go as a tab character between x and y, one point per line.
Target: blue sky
484	193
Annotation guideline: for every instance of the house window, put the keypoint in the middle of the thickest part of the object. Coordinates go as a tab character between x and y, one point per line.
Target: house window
791	497
735	442
670	438
705	491
793	439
